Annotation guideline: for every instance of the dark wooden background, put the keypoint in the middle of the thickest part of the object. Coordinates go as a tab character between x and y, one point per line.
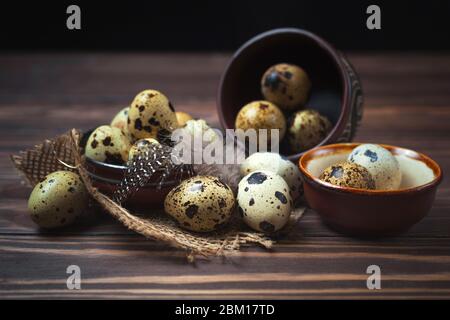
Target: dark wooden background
42	95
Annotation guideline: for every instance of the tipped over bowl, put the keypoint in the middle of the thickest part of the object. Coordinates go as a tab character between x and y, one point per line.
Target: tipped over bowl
335	92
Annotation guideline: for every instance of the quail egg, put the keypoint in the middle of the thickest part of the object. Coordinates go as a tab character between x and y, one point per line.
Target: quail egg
139	146
286	85
306	129
261	115
200	203
264	202
151	115
120	120
380	162
291	174
271	161
347	174
58	200
108	144
182	118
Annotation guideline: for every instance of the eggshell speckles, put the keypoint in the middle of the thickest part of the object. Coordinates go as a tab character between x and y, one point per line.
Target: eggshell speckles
264	201
306	129
151	114
58	200
201	203
273	162
291	174
286	85
261	115
381	164
108	144
347	174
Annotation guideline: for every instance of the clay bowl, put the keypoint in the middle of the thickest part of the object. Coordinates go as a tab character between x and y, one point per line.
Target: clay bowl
336	90
106	177
370	213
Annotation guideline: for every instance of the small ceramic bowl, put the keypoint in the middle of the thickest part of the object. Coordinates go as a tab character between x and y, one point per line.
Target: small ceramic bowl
106	177
370	213
336	90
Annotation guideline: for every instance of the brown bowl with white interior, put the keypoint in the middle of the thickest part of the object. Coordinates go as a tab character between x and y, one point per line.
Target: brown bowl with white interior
335	92
370	213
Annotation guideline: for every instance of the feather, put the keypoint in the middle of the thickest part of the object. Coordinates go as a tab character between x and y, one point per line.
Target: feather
162	158
146	162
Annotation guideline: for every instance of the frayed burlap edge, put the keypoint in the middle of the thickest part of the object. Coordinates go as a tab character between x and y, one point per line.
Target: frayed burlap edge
63	153
49	156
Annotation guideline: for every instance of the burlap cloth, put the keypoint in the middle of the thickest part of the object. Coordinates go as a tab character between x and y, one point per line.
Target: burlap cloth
63	153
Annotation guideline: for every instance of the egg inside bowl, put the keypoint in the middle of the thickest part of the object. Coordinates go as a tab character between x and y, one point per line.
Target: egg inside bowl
335	88
363	212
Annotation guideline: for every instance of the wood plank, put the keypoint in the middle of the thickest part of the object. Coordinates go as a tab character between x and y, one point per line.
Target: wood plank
437	223
42	95
42	78
140	268
14	219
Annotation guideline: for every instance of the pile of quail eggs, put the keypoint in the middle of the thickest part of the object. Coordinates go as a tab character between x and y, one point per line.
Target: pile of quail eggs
267	192
149	119
268	189
201	203
61	197
368	166
285	88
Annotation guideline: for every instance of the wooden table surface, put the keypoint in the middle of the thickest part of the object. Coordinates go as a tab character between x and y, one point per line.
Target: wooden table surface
407	103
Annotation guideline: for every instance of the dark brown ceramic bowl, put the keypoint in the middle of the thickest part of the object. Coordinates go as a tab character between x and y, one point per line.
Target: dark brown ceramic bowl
106	177
336	91
370	213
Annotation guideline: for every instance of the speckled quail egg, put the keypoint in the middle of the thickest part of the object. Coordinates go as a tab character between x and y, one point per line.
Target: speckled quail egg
291	174
120	120
108	144
383	166
151	115
200	203
273	162
286	85
261	115
269	161
140	145
183	117
348	174
58	200
264	202
306	129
